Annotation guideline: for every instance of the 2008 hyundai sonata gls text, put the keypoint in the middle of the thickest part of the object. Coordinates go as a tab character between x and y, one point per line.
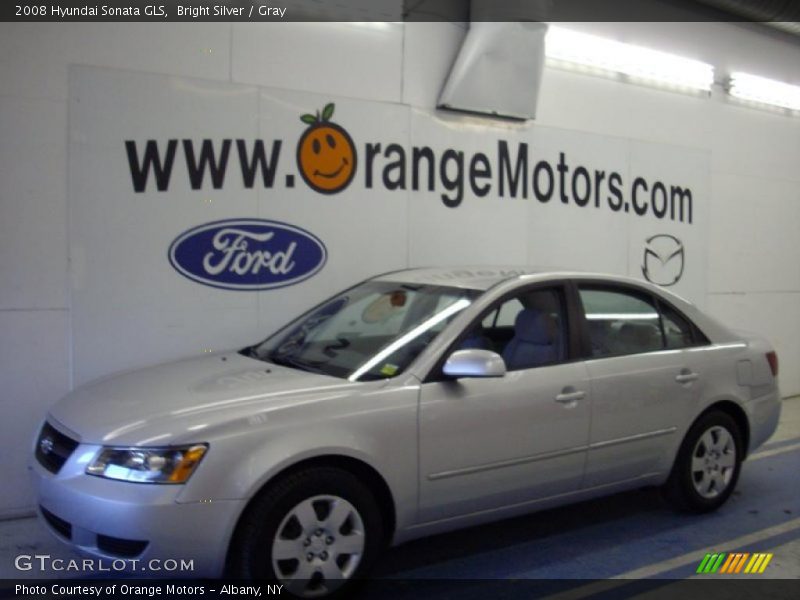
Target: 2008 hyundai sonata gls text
416	402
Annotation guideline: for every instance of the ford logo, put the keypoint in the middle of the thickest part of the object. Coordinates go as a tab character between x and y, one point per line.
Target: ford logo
247	254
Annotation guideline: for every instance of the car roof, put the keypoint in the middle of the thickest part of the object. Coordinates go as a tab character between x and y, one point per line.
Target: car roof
477	278
484	277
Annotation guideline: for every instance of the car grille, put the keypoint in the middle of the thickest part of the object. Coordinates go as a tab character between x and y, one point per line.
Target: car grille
53	448
60	525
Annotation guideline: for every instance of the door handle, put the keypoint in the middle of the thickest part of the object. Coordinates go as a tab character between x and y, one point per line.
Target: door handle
686	377
568	395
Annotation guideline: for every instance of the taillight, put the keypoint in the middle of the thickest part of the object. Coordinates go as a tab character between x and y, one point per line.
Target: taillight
772	359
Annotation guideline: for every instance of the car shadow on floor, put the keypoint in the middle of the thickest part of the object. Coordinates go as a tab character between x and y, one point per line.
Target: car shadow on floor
646	505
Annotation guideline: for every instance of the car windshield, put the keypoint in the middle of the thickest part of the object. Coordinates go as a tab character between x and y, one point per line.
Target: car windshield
372	331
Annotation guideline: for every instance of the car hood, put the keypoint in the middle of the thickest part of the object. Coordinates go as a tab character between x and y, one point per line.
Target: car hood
173	402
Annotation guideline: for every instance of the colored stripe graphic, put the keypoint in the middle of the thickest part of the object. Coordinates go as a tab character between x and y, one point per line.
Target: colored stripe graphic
765	563
754	563
714	562
703	563
742	559
733	561
728	563
759	563
736	561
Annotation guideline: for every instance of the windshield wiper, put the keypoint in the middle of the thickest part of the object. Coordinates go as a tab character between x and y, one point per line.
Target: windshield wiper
289	361
332	349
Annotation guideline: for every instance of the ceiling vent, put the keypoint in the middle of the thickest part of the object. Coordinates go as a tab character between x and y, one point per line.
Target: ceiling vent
498	70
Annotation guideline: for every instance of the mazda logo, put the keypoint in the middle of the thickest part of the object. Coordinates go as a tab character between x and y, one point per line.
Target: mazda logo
663	260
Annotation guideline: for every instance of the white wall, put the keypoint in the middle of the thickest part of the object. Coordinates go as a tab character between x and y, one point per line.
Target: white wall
753	271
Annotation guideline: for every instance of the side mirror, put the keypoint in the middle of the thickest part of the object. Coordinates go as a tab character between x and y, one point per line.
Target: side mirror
474	363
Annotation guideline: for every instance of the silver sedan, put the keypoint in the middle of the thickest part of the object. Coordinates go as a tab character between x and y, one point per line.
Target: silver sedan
414	403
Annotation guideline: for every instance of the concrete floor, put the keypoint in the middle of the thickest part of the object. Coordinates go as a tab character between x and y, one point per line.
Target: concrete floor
627	536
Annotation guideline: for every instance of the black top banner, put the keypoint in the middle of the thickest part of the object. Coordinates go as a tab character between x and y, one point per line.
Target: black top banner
397	10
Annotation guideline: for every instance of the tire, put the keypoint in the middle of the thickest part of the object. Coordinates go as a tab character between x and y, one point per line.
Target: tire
708	464
317	531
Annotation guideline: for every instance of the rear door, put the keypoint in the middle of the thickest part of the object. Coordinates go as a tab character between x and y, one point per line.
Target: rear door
645	382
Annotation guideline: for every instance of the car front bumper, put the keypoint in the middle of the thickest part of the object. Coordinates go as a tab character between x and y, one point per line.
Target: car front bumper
141	526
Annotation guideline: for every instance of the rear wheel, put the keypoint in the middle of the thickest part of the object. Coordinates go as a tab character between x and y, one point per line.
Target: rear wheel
708	464
316	532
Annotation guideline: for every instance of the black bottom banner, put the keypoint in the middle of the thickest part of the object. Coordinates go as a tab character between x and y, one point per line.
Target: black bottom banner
707	588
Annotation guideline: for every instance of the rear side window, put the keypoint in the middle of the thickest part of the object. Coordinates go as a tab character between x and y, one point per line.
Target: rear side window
621	322
677	330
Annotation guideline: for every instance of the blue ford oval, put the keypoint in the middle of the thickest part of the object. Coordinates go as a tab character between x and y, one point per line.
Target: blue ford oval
247	254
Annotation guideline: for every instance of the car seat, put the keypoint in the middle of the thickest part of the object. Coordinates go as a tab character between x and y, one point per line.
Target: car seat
476	340
534	342
638	337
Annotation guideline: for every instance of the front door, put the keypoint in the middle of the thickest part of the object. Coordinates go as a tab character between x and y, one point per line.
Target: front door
489	443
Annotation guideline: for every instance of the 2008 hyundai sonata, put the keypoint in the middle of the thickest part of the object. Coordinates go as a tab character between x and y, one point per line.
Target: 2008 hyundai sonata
413	403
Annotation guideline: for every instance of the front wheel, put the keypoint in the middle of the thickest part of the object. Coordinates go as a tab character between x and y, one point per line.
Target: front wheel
708	464
316	532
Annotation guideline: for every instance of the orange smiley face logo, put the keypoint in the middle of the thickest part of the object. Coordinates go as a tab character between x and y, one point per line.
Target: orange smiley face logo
326	155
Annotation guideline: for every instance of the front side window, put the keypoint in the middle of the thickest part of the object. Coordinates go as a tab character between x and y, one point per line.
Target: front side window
372	331
527	330
620	322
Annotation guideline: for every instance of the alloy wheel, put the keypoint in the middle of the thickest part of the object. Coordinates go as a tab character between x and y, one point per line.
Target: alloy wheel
713	462
318	546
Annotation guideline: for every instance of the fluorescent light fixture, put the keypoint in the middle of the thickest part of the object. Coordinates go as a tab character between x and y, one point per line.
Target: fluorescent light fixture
597	54
765	91
376	25
621	316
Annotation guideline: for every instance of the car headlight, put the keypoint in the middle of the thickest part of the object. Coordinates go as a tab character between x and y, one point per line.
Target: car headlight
148	465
